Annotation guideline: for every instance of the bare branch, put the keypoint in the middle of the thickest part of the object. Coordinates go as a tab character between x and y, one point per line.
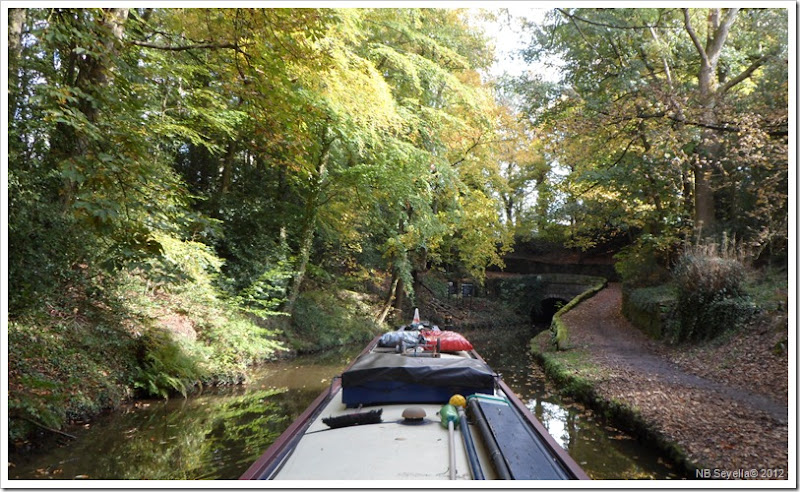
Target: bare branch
55	431
602	24
746	74
580	31
777	130
476	144
695	39
202	46
663	59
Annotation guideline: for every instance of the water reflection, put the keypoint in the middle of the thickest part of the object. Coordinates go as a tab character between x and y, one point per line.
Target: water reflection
218	434
554	419
602	450
214	435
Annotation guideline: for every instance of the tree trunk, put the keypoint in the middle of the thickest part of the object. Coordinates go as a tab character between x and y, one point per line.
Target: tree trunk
92	76
94	70
707	155
227	169
309	224
707	152
652	228
509	206
688	192
387	306
16	21
417	285
419	267
228	161
704	209
306	242
400	295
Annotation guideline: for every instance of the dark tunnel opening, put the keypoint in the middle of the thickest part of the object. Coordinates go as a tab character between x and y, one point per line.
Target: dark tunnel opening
546	309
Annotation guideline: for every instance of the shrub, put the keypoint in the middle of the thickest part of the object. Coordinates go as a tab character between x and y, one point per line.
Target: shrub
708	275
227	340
644	263
711	295
227	348
164	365
323	320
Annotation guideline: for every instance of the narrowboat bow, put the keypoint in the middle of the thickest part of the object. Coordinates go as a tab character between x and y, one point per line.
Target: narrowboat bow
387	417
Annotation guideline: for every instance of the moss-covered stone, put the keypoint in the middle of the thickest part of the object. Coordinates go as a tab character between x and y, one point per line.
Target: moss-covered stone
650	308
558	329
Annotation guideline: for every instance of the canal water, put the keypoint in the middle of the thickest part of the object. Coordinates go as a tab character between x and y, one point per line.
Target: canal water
219	433
602	450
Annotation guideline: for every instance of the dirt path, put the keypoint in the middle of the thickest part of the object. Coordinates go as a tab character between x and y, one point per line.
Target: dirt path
719	425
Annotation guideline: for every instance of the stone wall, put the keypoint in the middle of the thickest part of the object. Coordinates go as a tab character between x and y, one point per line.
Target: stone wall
648	309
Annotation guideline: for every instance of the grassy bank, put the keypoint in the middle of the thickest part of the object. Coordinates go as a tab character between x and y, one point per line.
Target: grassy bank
84	357
93	350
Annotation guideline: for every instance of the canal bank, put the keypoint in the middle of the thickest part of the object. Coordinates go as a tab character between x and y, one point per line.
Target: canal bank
605	450
700	422
217	434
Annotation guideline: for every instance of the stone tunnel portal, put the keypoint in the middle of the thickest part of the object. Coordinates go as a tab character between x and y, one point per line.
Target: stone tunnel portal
543	313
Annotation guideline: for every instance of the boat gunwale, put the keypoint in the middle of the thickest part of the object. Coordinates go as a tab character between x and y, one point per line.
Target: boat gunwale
567	460
267	461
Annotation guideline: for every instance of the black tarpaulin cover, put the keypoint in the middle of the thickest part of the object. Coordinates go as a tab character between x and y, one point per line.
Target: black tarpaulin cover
429	371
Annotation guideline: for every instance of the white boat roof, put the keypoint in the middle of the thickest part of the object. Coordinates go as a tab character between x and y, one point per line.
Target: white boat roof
389	450
395	449
385	451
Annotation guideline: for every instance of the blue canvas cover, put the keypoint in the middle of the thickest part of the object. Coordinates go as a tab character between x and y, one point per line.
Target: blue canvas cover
380	378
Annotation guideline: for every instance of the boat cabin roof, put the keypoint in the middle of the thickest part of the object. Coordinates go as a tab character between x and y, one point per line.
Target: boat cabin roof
398	447
390	450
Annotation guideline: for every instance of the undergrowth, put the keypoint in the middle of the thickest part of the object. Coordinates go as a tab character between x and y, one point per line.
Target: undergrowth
323	320
103	341
713	290
65	366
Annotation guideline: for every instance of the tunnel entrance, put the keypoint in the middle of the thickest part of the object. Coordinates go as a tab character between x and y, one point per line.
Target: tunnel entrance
543	313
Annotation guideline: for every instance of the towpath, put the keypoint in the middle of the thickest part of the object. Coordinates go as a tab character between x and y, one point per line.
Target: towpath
720	424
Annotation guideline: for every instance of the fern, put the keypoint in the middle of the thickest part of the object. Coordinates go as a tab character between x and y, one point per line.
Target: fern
165	368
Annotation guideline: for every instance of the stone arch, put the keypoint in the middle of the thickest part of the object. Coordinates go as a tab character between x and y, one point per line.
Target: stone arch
546	308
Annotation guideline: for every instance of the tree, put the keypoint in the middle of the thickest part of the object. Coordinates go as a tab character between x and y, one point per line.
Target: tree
447	141
524	169
654	113
78	139
286	138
